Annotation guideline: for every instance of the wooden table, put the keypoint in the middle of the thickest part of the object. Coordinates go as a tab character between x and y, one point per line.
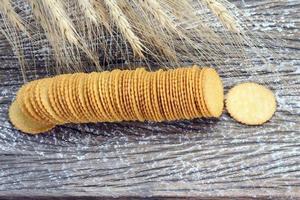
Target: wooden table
199	158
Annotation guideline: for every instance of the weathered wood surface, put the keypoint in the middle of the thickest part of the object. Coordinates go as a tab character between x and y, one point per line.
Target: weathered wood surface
198	158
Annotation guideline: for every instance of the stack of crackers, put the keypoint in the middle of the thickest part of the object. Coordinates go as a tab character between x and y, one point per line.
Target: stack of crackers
119	95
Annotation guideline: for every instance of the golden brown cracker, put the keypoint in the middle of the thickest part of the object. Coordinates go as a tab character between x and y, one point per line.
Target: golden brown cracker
213	93
192	91
126	95
135	95
98	98
104	95
182	93
156	96
94	98
87	100
200	99
120	95
251	103
110	96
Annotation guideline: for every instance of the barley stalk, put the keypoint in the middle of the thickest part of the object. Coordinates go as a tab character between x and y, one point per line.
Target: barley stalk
221	12
124	26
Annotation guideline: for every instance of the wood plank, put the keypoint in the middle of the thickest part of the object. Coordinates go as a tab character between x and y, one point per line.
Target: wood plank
196	158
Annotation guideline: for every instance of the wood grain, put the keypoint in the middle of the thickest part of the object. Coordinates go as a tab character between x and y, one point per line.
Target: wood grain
198	158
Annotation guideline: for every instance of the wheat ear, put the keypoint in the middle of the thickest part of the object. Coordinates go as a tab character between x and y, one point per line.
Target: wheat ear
88	10
221	12
64	23
124	27
56	23
156	10
7	9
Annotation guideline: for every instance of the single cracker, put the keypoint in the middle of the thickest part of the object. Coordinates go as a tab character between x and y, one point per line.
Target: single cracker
182	93
156	96
117	98
121	93
87	99
148	94
171	94
110	95
213	93
103	95
191	92
141	92
126	95
99	96
251	103
135	97
177	93
195	83
93	93
25	123
200	98
164	100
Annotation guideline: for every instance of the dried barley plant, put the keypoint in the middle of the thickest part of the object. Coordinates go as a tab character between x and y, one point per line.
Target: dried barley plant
102	33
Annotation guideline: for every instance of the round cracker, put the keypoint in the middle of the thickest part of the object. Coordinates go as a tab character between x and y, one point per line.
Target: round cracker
110	95
82	99
135	92
177	93
97	101
117	96
156	96
196	81
174	94
182	93
25	123
141	92
162	99
87	99
126	94
103	95
200	98
191	91
213	93
93	93
251	103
